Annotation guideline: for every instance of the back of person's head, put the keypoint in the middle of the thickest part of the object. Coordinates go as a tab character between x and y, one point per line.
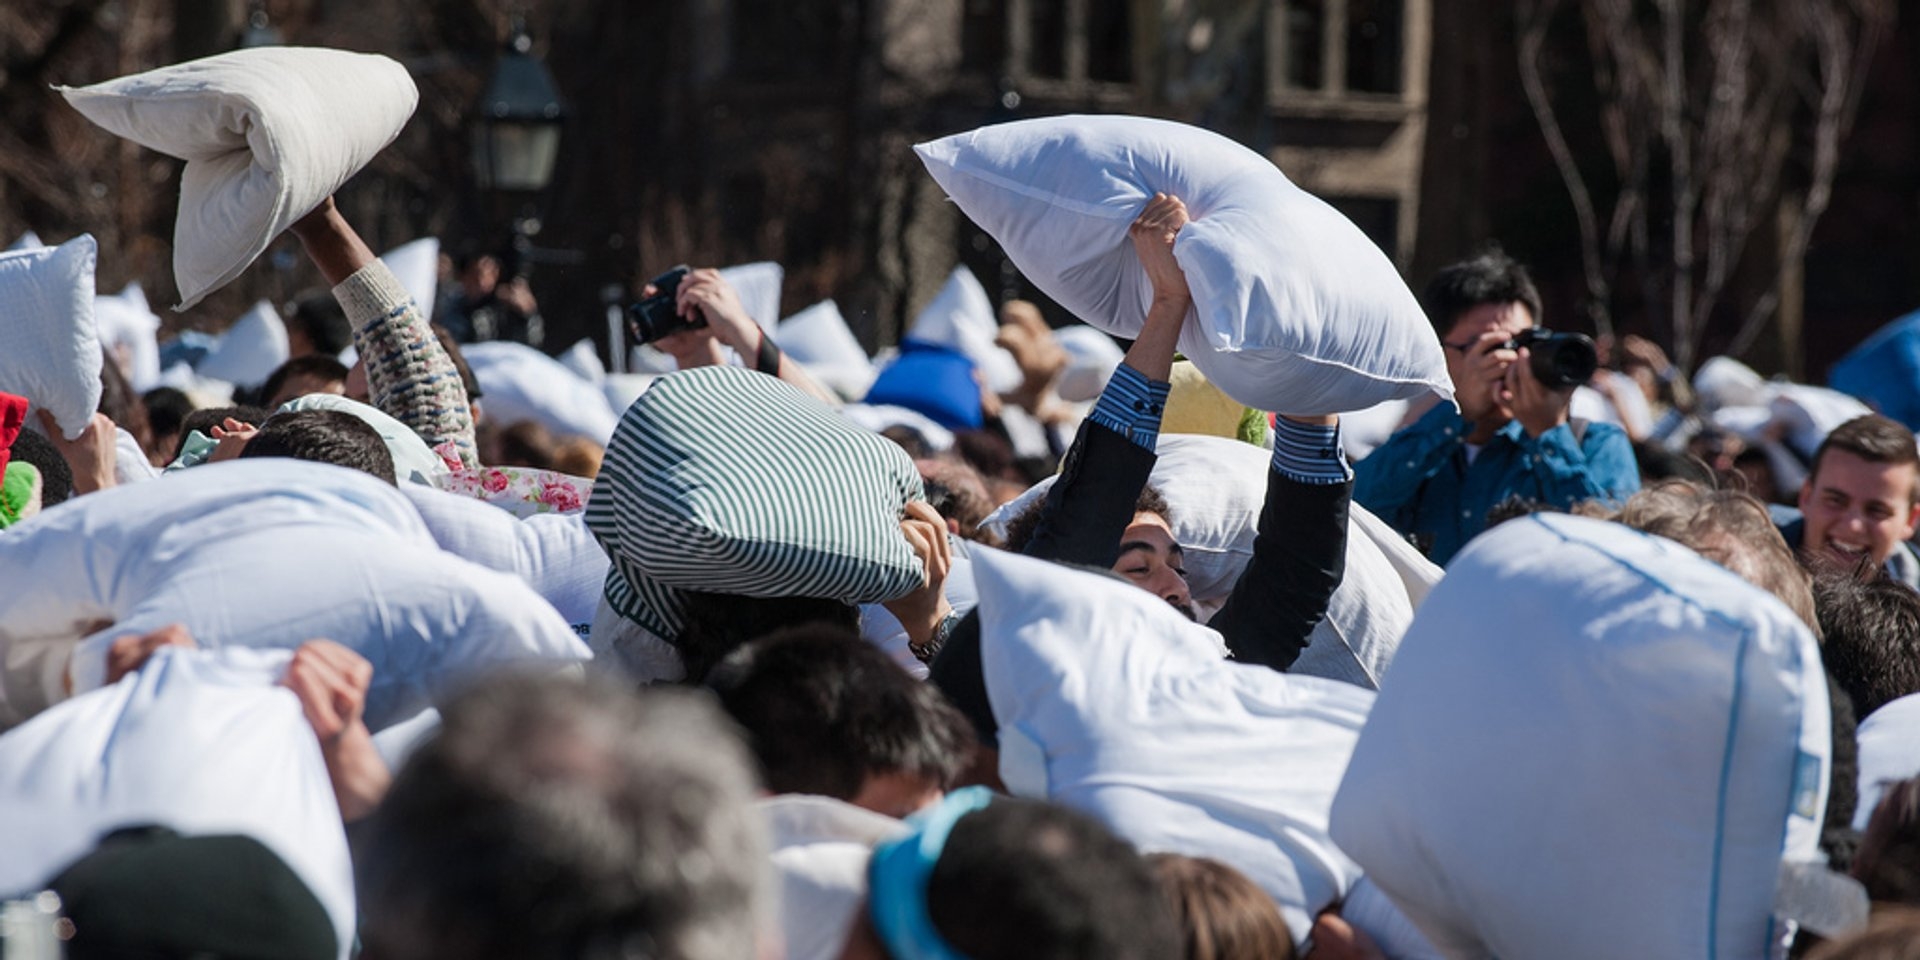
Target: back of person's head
323	436
1888	861
1223	915
1024	880
714	625
1873	438
167	409
1894	935
912	441
828	713
1730	528
558	820
56	476
1489	277
311	373
1870	626
318	318
526	443
1023	525
957	492
578	457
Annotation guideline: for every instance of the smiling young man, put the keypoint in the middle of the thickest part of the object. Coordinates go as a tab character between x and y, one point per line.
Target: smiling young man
1860	501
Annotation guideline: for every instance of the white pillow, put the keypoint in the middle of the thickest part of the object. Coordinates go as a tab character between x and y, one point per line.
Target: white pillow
203	742
518	382
878	417
1594	744
1108	700
552	552
1216	488
961	316
1726	382
272	553
1810	413
620	390
129	329
417	266
758	285
267	134
1889	752
1297	311
584	360
49	346
250	351
1092	357
27	241
818	337
821	847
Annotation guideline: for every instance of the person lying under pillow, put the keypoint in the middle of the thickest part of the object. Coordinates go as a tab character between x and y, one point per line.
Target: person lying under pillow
1102	513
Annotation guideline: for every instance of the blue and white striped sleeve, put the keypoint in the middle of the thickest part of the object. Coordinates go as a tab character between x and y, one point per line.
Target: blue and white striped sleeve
1131	406
1309	454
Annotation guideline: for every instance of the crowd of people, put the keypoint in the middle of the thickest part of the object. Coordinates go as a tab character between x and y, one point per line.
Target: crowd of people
357	669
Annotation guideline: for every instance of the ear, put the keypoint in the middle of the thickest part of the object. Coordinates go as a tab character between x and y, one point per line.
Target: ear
953	526
1913	520
1806	495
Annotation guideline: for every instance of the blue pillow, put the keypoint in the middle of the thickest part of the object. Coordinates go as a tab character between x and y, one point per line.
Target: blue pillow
933	380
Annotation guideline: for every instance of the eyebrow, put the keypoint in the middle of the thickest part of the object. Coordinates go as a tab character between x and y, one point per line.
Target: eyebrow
1174	552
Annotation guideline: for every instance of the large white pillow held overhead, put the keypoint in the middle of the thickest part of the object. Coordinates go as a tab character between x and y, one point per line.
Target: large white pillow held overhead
1297	311
49	345
267	134
1594	744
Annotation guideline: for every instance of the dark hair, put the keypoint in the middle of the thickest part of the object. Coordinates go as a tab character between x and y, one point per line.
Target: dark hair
56	477
1657	463
1489	277
1023	525
1223	914
558	820
205	419
1024	880
824	710
1871	626
1888	862
322	366
1873	438
167	409
909	439
716	624
1837	837
121	404
323	436
319	316
957	492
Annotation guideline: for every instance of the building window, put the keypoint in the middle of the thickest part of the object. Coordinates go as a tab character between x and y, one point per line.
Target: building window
1071	41
1337	47
774	40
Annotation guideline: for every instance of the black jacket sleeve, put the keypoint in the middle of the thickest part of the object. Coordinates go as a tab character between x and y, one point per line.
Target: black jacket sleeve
1090	506
1299	556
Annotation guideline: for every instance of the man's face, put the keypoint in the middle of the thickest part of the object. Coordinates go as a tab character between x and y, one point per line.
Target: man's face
1478	381
1152	560
1855	507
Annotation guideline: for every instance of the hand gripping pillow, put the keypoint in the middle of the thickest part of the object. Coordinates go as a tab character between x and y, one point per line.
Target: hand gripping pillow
1594	744
267	134
1108	700
1295	309
521	383
726	480
1215	488
272	553
49	346
203	742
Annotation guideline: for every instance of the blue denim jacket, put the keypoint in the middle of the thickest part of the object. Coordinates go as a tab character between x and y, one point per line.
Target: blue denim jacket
1420	482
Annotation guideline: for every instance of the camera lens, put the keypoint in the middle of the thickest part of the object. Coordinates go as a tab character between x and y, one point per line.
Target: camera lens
1562	360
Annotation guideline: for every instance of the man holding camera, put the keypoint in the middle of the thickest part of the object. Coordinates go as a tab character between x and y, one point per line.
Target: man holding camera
1437	478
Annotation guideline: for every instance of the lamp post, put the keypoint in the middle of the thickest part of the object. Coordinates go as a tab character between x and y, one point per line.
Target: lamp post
516	138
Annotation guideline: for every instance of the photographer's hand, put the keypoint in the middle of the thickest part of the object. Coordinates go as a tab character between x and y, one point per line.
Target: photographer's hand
728	323
1538	407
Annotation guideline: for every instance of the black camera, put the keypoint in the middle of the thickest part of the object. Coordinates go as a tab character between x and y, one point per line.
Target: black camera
1559	360
658	316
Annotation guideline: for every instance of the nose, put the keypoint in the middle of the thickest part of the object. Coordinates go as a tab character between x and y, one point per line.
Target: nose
1170	586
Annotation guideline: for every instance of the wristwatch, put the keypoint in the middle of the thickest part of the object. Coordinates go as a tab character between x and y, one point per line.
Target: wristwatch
925	652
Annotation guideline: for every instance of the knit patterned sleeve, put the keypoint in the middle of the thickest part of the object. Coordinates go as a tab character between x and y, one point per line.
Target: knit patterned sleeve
409	375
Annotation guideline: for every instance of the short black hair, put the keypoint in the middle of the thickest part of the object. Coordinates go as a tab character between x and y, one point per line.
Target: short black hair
167	409
714	625
824	710
1870	626
318	315
1023	525
1025	880
324	436
1488	277
56	477
323	366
